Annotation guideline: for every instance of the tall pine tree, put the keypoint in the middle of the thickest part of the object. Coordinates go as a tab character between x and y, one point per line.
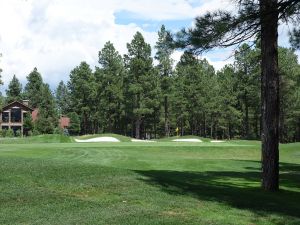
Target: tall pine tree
14	91
34	88
82	88
143	86
110	79
165	63
223	29
62	97
47	115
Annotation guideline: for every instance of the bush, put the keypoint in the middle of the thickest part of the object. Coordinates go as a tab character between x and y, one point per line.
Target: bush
58	130
10	133
18	133
29	133
35	132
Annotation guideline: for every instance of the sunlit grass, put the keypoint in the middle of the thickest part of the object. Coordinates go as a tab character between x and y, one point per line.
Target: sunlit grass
144	183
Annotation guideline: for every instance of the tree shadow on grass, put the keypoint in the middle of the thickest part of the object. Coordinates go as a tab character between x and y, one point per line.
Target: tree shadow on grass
237	189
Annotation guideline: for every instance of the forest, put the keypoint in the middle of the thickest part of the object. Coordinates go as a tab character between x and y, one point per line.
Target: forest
146	95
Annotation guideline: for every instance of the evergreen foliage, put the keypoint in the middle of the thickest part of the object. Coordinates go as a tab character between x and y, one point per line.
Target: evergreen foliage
82	86
110	93
34	88
62	97
14	91
129	96
47	115
143	83
74	128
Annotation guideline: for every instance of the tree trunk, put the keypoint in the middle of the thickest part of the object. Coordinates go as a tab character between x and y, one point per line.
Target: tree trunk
270	95
246	117
167	129
137	128
257	121
211	126
204	125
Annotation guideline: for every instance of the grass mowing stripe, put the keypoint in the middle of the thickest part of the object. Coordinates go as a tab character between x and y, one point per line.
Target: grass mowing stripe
144	183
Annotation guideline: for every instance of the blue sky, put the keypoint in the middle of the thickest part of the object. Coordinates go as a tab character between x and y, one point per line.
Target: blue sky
55	35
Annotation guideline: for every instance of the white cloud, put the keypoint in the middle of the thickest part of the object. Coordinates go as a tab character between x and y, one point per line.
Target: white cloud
55	35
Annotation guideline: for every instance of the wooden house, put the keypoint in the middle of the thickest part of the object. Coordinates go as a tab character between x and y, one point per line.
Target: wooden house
12	115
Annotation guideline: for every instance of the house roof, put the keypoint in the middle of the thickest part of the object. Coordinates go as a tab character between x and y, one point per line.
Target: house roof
16	103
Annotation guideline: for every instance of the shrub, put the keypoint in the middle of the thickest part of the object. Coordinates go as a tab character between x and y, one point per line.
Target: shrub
18	133
10	133
58	130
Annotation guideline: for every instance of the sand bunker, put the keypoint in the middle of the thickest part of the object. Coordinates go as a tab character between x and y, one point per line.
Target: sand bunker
139	140
187	140
217	141
99	139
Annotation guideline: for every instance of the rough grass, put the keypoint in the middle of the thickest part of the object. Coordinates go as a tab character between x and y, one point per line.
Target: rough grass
144	183
47	138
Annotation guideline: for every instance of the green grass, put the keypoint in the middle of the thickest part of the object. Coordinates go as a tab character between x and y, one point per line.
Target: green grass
145	183
183	137
48	138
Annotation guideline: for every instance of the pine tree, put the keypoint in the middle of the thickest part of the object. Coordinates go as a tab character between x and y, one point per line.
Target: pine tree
82	88
14	91
230	117
47	115
248	86
1	83
34	88
165	63
289	72
74	127
110	78
143	84
62	97
223	29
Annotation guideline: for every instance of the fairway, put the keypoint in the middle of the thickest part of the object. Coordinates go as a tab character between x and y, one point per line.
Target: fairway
144	183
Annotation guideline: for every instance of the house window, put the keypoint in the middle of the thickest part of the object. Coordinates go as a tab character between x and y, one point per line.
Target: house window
16	129
5	117
16	115
5	127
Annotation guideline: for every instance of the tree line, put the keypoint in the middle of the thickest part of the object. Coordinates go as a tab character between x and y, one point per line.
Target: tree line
149	97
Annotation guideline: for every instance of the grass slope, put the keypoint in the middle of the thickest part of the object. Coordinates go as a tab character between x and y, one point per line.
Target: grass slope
184	137
46	138
144	183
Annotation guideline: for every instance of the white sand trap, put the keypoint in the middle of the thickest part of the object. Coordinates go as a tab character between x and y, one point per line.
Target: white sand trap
139	140
99	139
187	140
217	141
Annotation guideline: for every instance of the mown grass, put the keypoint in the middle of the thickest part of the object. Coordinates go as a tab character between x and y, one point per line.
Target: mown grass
144	183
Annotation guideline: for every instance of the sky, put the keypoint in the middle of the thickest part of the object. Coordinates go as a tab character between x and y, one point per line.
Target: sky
56	35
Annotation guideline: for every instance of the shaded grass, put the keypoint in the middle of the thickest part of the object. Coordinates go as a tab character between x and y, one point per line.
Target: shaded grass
144	183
